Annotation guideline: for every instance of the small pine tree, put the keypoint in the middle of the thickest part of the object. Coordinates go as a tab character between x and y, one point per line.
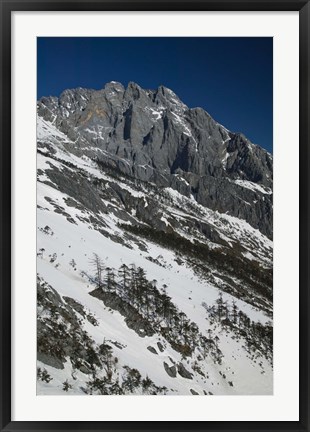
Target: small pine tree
234	312
66	386
124	276
110	280
220	304
43	375
98	267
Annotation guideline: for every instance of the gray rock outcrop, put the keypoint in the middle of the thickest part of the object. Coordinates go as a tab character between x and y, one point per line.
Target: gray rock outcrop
171	371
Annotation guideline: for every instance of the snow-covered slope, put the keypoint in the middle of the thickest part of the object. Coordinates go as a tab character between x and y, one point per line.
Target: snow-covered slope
141	290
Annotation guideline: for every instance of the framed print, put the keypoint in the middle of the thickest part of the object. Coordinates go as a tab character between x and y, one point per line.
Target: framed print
154	215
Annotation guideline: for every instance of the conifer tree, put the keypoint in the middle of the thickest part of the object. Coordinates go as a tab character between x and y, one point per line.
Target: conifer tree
141	283
220	303
234	312
124	276
110	280
98	266
133	284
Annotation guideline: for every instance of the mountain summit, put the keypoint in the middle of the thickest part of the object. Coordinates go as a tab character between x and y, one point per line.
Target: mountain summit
151	135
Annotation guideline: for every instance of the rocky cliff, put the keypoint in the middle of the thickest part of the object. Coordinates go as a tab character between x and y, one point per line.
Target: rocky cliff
151	135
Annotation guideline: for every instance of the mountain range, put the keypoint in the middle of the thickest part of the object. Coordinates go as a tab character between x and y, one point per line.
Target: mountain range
154	237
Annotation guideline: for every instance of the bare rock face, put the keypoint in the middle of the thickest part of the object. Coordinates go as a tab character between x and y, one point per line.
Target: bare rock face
152	136
184	372
171	371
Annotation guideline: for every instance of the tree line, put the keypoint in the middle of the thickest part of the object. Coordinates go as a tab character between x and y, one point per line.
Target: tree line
130	284
258	336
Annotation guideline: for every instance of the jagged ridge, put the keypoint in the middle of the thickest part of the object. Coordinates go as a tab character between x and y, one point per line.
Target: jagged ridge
152	136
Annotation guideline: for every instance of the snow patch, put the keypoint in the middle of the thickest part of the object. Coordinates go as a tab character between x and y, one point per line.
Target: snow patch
254	186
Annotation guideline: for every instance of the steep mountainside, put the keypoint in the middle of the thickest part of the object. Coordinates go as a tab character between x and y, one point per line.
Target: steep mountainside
154	137
154	248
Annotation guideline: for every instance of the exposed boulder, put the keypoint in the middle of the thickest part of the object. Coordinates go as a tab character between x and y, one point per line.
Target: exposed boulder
152	350
184	372
171	371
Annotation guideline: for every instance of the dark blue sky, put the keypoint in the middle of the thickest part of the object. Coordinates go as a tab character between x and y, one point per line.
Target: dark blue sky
231	78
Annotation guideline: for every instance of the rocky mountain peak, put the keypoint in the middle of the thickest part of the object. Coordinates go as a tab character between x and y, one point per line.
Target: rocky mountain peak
114	85
134	91
166	97
154	137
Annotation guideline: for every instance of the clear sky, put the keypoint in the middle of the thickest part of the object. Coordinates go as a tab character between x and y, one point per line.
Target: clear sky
231	78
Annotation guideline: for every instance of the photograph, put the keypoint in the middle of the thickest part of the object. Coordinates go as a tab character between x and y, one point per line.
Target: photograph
154	190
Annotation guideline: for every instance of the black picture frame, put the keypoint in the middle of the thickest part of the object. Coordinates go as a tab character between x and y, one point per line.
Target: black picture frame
7	7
